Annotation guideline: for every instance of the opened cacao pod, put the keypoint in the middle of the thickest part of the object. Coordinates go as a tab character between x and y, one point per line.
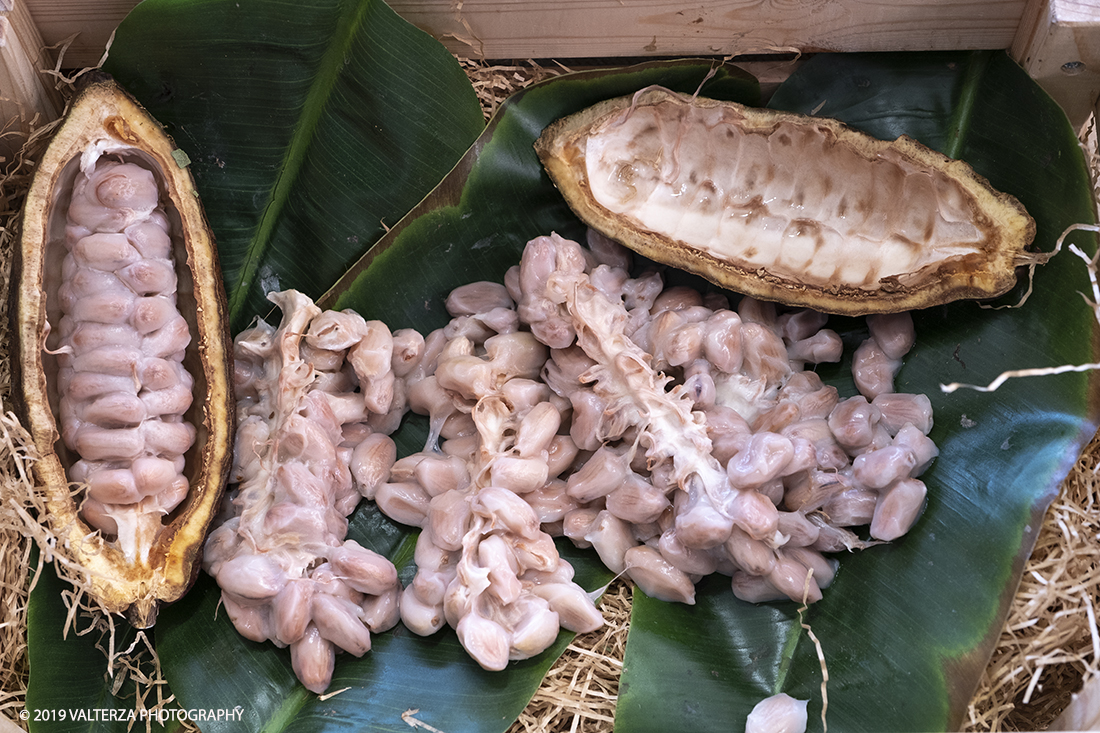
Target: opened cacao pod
784	207
121	358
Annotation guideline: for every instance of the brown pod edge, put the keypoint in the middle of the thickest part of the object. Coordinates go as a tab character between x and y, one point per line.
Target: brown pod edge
103	119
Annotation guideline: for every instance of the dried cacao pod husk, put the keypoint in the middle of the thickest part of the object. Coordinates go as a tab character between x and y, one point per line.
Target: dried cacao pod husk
104	122
785	207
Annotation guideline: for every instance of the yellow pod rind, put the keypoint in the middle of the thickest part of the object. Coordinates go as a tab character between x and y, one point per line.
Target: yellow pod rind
999	226
104	120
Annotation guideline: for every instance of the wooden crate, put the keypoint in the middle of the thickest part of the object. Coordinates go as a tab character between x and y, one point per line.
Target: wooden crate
1056	41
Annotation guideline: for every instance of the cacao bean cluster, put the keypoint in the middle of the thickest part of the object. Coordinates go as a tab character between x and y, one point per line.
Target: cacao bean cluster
121	380
309	394
676	435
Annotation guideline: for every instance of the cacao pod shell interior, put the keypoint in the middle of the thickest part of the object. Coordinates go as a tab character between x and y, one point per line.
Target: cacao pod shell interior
784	207
104	122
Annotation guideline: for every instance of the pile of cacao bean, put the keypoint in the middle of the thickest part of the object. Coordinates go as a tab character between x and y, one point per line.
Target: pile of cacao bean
676	435
122	385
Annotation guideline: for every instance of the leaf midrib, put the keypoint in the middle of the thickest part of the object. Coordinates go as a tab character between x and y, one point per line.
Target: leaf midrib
288	711
794	635
958	127
329	70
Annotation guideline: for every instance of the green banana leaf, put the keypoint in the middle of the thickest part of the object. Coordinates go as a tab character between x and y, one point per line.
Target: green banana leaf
911	624
204	657
311	126
906	629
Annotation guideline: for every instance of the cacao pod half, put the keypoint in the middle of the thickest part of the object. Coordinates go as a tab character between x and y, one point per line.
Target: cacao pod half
121	361
785	207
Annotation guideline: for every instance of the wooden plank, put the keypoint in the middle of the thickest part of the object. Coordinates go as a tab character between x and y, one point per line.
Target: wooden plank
521	29
91	22
1044	35
27	97
502	29
1058	44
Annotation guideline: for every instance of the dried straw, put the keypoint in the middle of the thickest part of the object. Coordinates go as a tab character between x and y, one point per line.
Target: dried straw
15	564
1050	638
579	692
16	447
494	83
